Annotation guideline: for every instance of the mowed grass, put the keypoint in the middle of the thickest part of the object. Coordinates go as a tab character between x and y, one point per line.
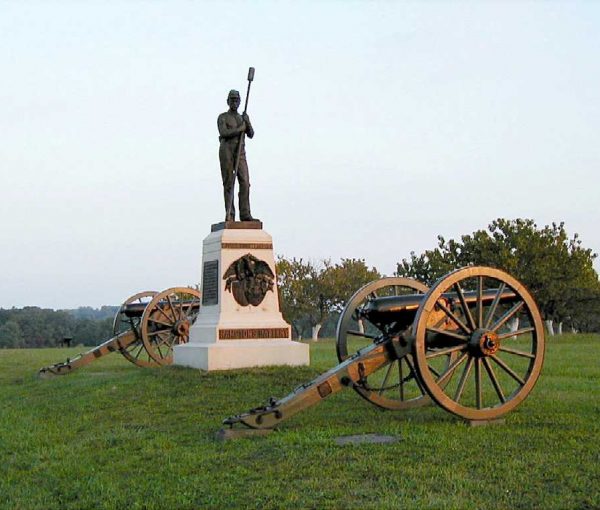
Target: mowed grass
112	435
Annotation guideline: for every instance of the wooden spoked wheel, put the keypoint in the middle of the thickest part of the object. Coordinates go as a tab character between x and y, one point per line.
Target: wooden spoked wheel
396	385
495	329
167	320
135	352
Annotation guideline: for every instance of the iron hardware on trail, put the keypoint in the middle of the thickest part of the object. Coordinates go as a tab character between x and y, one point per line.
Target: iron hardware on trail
473	344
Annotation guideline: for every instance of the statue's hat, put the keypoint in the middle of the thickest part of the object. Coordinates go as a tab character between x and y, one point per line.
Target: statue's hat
233	93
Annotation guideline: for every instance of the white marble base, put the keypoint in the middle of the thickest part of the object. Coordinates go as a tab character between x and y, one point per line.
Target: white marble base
227	334
231	354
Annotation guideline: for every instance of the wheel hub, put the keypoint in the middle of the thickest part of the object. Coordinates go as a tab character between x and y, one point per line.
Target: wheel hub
484	343
182	328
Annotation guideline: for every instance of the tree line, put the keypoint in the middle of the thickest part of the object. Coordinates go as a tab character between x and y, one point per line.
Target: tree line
32	326
556	268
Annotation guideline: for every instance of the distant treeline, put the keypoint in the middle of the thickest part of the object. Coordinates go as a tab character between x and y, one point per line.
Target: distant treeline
41	327
556	268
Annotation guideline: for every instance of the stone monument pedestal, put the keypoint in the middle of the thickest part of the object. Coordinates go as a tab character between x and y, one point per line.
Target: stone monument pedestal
239	324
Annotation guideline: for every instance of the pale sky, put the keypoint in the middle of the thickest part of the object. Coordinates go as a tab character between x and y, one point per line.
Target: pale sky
379	125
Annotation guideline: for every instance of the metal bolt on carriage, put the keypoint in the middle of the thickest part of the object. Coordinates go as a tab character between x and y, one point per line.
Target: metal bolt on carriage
145	329
473	343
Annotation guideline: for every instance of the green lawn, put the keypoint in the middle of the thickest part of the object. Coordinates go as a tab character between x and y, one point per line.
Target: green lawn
112	435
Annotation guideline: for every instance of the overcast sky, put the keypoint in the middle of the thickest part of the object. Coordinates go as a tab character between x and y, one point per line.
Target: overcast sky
379	125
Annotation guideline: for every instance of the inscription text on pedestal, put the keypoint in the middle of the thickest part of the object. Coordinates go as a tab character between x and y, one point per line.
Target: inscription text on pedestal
253	333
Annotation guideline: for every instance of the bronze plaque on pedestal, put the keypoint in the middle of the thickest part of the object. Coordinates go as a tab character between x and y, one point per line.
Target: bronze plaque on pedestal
210	283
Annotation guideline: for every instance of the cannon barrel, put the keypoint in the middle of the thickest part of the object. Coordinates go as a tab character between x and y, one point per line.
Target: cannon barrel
137	309
403	308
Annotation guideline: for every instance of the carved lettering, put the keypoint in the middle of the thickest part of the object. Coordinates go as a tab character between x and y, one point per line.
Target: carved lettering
253	333
247	246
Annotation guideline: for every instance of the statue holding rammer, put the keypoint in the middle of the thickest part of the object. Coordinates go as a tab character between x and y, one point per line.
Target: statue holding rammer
233	129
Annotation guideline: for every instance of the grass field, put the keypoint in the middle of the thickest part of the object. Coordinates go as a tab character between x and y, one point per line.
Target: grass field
116	436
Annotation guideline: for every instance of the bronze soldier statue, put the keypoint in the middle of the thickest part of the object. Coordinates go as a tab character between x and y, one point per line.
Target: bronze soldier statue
231	127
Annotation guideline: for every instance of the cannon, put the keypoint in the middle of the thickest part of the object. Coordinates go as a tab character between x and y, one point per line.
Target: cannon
145	329
473	344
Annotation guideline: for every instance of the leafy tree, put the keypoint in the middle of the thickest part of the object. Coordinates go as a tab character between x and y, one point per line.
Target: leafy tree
341	281
310	293
557	269
431	264
586	316
300	293
11	335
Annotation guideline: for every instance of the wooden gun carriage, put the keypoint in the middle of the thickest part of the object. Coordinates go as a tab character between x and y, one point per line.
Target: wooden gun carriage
145	329
473	344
